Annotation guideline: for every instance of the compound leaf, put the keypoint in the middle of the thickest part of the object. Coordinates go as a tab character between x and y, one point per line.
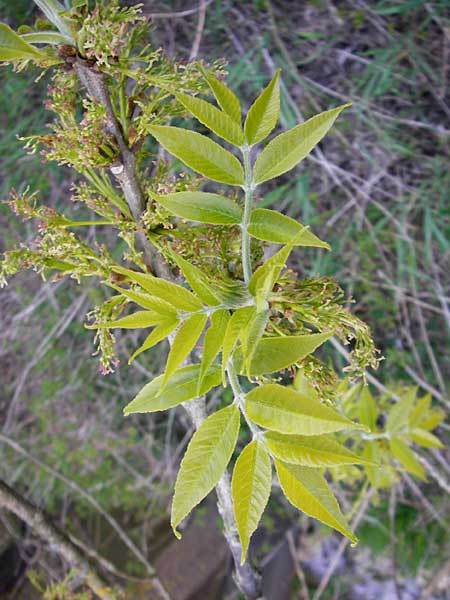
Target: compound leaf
290	147
200	153
206	458
202	207
180	387
250	486
308	491
284	410
264	112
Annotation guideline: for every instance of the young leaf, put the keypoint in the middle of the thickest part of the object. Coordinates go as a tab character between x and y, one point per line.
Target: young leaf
206	458
399	414
145	300
216	120
176	295
265	277
426	439
163	330
253	334
311	450
214	337
407	458
290	147
13	47
236	325
184	342
272	226
308	491
226	99
276	353
367	409
284	410
138	320
182	386
196	279
264	112
202	207
53	10
200	153
44	37
250	486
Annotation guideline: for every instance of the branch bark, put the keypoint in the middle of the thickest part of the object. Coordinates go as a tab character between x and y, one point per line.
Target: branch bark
247	579
37	520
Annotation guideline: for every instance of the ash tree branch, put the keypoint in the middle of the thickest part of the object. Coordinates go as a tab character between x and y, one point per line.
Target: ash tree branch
247	579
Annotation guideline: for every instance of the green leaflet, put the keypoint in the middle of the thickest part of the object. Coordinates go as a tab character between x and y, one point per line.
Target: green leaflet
202	207
185	340
216	120
265	277
284	410
200	153
426	439
206	458
272	226
253	334
398	415
308	491
53	10
264	112
276	353
368	413
250	486
420	411
44	37
138	320
182	386
233	293
311	450
290	147
407	458
145	300
214	337
235	327
163	330
13	47
226	99
174	294
196	279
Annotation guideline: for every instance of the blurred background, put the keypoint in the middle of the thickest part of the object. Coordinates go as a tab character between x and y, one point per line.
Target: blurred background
378	192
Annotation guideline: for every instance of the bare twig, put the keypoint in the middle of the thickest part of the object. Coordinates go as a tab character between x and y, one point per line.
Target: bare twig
180	14
199	31
37	520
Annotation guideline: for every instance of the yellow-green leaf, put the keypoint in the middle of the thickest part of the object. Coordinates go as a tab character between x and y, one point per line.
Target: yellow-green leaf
272	226
200	153
185	340
54	11
311	450
250	486
290	147
226	99
264	112
202	207
284	410
163	330
399	414
146	300
196	279
182	386
406	457
368	413
253	334
176	295
276	353
13	47
216	120
237	323
425	438
214	337
206	458
138	320
265	276
308	491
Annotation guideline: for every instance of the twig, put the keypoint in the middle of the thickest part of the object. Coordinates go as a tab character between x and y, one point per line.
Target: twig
304	592
181	14
42	525
199	30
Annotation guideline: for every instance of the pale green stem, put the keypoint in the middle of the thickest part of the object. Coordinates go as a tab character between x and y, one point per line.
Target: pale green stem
248	189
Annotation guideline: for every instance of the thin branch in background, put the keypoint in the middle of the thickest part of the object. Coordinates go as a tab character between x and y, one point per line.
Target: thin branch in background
199	31
43	526
180	14
304	592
